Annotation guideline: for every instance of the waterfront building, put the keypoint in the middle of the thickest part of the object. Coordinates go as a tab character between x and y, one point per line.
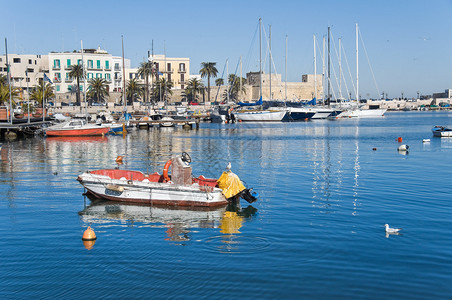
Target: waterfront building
98	64
25	68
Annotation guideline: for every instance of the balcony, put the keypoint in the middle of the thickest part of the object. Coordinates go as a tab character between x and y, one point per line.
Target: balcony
56	67
56	80
182	82
107	68
67	67
182	71
68	80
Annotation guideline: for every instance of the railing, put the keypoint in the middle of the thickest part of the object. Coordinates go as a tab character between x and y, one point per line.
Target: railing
57	80
182	71
56	67
69	79
67	67
107	68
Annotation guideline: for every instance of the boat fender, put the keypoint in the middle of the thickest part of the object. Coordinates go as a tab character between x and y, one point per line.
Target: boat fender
166	169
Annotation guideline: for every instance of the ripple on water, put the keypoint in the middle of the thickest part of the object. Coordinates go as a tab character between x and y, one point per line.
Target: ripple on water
237	244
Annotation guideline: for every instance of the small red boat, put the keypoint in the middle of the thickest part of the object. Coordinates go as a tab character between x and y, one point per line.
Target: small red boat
76	128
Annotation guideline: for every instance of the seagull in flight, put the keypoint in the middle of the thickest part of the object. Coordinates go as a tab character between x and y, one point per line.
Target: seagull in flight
392	230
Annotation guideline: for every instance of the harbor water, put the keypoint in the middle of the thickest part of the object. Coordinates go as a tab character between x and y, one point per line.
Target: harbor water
326	189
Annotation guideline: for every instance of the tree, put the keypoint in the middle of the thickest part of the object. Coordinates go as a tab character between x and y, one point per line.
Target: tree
234	86
3	79
4	94
36	93
146	70
97	89
219	82
194	86
162	88
208	70
134	89
77	73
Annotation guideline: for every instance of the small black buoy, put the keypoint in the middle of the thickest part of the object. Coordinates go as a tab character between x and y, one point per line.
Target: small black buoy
375	149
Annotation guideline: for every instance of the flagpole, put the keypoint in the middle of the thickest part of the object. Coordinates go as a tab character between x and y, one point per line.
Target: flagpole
43	97
28	98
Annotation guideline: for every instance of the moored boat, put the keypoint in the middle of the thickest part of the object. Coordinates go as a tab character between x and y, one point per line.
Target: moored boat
441	131
178	189
76	127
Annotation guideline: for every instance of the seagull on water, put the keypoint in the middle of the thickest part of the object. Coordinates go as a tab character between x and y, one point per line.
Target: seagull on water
392	230
229	166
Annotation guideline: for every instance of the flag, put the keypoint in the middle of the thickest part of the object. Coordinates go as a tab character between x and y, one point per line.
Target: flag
47	79
160	73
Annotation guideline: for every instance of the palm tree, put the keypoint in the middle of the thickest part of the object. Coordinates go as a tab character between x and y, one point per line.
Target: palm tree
208	70
4	94
3	79
234	86
219	82
162	87
77	73
146	70
194	86
36	93
97	89
134	89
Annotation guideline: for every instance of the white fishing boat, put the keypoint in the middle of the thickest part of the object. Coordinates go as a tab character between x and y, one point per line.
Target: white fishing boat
76	127
441	131
167	122
178	189
260	115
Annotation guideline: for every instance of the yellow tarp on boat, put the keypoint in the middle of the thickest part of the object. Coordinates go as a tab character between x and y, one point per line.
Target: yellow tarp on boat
230	184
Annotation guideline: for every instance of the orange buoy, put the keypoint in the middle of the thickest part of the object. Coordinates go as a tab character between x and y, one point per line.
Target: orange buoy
119	159
89	235
89	244
375	149
399	139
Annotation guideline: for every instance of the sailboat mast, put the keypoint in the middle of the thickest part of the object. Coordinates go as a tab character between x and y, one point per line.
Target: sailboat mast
84	82
8	74
260	58
240	91
285	73
357	74
227	80
323	71
315	71
340	71
123	77
329	95
270	58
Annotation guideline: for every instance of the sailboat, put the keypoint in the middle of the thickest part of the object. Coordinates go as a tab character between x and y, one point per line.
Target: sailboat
258	114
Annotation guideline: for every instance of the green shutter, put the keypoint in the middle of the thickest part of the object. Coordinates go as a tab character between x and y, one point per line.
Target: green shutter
107	64
69	62
98	64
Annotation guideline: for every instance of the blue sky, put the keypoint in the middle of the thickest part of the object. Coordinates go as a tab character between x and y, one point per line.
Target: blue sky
408	42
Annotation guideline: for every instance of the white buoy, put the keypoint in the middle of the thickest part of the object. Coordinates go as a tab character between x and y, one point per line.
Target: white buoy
403	148
426	140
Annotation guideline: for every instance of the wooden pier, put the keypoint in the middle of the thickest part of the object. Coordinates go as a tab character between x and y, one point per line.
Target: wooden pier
22	126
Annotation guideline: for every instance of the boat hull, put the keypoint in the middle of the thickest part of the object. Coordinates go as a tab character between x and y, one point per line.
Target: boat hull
155	193
439	131
260	116
78	132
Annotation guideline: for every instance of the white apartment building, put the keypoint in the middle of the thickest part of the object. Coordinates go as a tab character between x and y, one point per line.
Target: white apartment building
98	64
25	68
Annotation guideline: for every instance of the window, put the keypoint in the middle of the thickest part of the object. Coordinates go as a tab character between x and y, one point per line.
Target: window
56	63
107	77
28	79
57	76
168	67
131	76
98	75
182	67
68	62
30	61
90	76
57	87
90	64
79	62
16	60
182	77
169	77
69	88
98	64
30	70
117	67
36	62
107	65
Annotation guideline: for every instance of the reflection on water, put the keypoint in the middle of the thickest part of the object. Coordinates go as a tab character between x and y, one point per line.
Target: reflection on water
179	222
